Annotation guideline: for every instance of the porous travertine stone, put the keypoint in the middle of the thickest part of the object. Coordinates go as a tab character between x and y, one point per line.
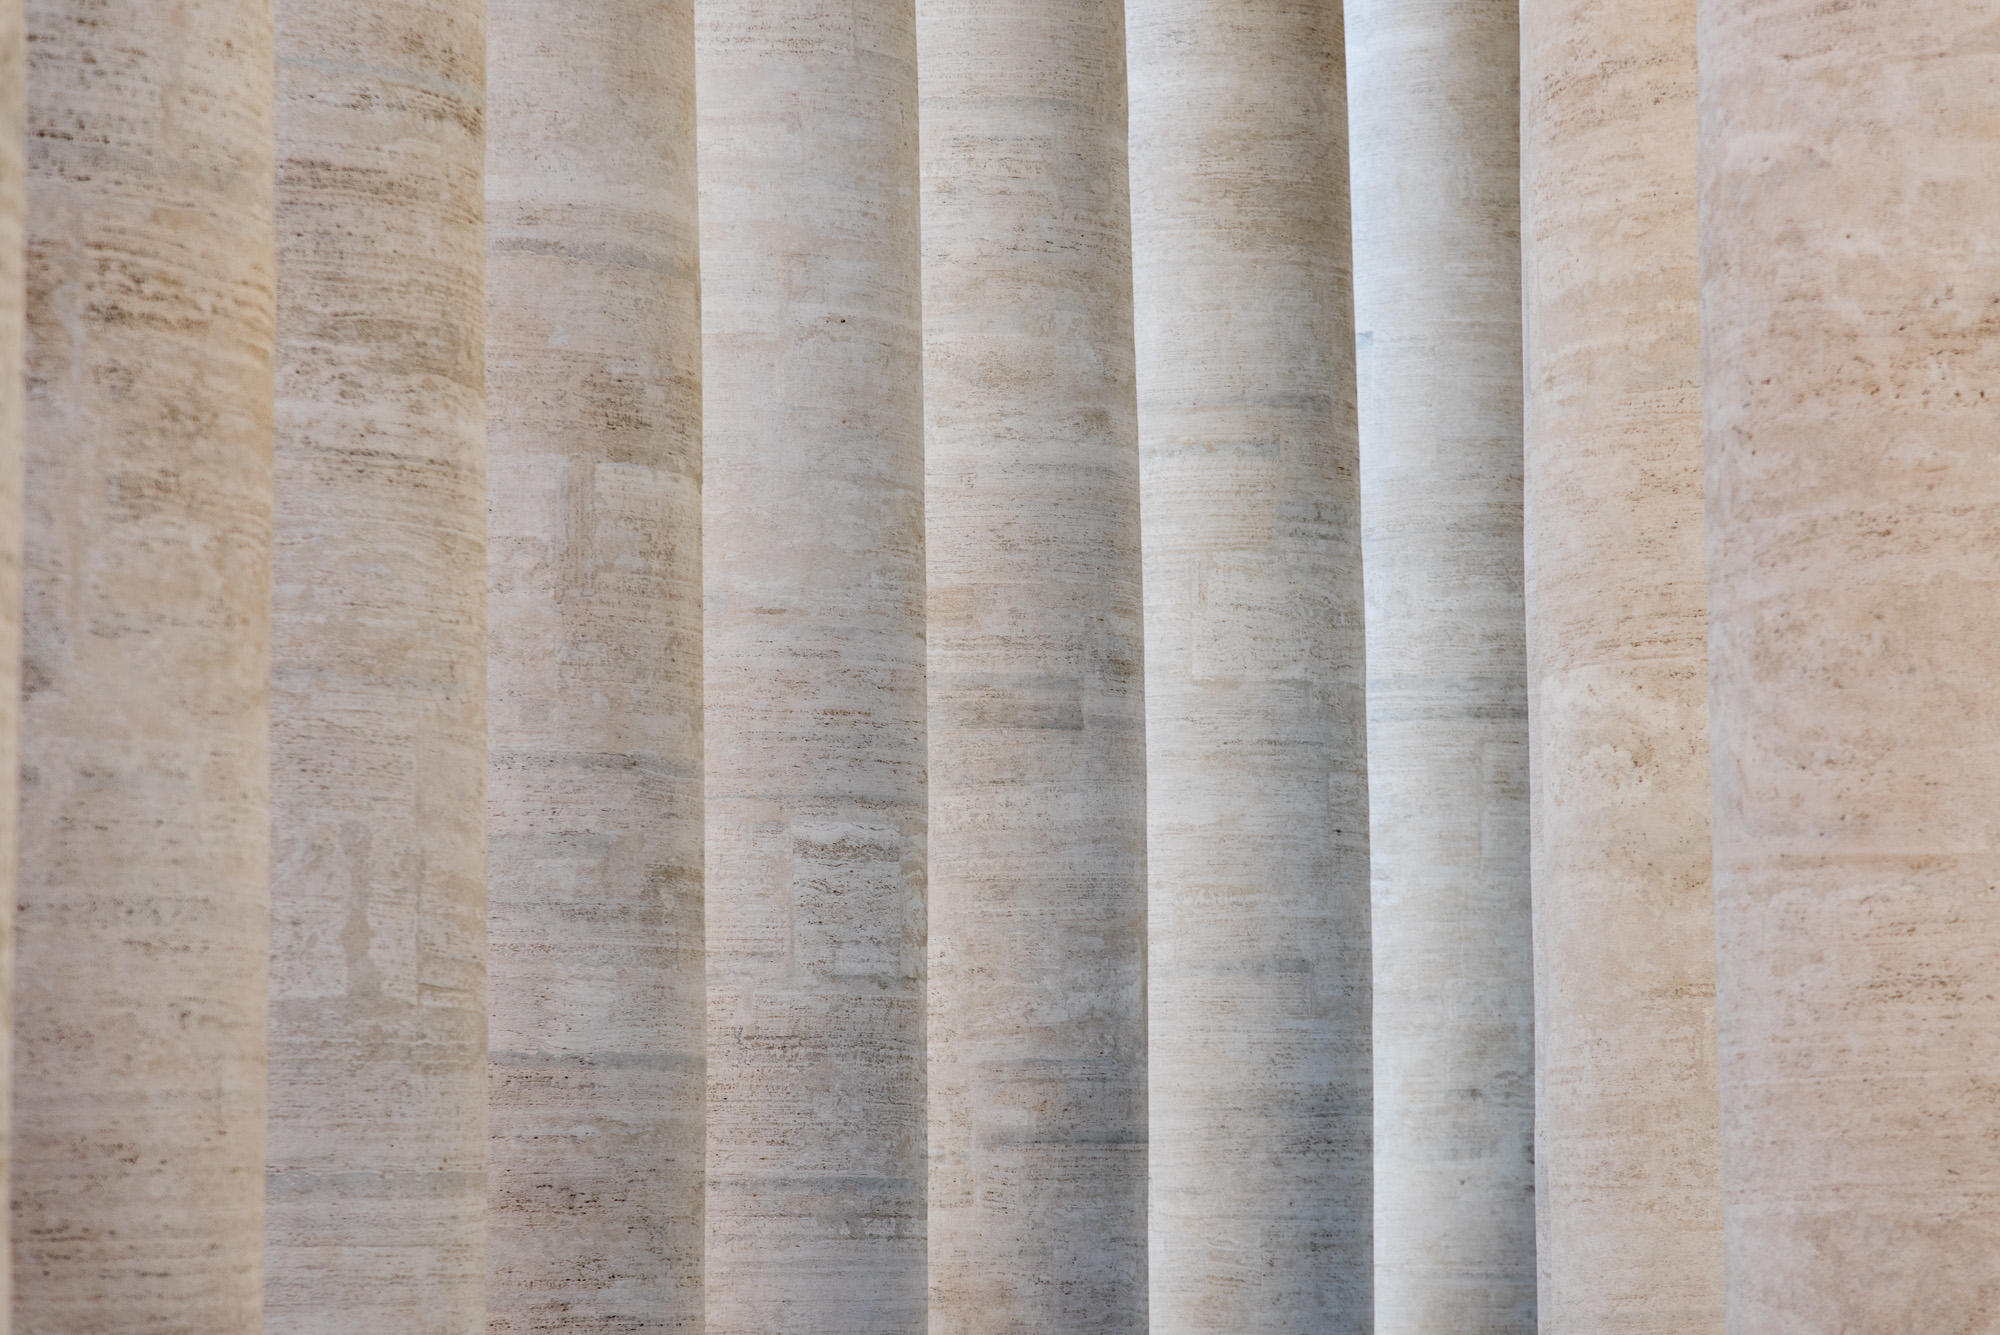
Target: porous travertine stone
1852	366
1256	761
13	208
377	1191
1437	256
1628	1195
1038	853
594	663
138	1188
813	562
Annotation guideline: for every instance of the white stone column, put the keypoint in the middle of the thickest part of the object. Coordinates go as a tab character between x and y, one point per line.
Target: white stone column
813	554
1628	1190
1038	858
1848	199
377	1195
1437	258
594	662
139	1033
1256	775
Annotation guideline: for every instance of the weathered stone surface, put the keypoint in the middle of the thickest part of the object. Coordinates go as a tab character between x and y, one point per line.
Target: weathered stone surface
1852	346
13	210
1256	785
1037	1018
140	1002
1435	97
594	662
1628	1187
377	1192
813	554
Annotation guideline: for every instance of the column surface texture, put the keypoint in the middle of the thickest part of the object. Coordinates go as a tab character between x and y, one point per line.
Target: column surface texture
13	216
1038	839
814	576
594	661
1256	784
139	1033
1628	1184
377	1194
1437	248
1851	318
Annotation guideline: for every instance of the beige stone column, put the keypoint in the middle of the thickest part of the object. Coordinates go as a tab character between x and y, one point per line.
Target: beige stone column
377	1193
1256	776
814	577
1848	302
594	568
1437	254
1038	856
1628	1188
139	1035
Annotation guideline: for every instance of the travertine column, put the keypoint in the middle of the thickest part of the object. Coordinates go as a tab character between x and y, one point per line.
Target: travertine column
1852	357
1038	866
144	815
1628	1192
13	209
594	419
378	996
1437	256
813	552
1256	761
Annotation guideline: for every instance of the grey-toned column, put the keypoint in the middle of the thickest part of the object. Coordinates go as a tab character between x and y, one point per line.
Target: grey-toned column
377	1191
1038	841
1256	776
1437	260
13	211
1848	308
139	1037
1628	1192
594	423
813	552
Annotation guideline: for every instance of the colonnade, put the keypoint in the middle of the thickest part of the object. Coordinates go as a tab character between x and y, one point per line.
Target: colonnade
708	665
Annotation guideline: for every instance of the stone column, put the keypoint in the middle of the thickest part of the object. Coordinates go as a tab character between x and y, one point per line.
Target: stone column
1848	311
594	568
1437	249
814	569
139	1036
1628	1187
13	216
377	1192
1256	775
1038	840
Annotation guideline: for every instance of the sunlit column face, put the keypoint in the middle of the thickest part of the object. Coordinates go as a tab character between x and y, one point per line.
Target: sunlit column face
139	997
1848	319
1628	1190
377	1195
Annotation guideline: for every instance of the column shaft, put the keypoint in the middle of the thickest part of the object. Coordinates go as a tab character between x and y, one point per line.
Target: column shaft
813	552
1038	911
1628	1189
144	815
13	240
1852	352
594	569
377	1193
1256	776
1435	93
